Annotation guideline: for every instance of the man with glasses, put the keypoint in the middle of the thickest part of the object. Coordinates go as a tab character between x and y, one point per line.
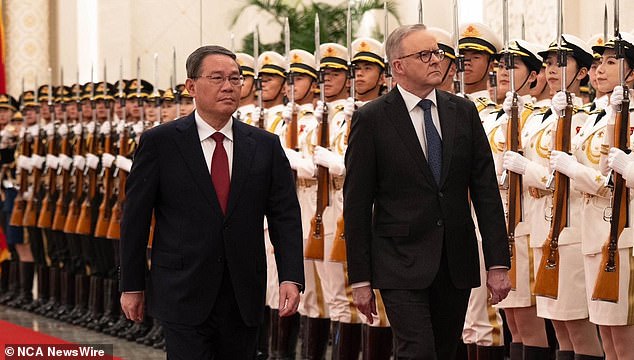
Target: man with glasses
209	180
414	160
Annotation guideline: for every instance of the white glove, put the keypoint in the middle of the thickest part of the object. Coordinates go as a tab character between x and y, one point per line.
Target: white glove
564	163
65	161
618	160
616	98
137	128
52	161
107	160
38	161
348	108
77	129
105	128
90	127
34	131
515	162
79	162
256	114
120	127
293	157
319	110
287	113
329	159
559	102
62	130
92	161
461	95
24	162
508	102
123	163
49	129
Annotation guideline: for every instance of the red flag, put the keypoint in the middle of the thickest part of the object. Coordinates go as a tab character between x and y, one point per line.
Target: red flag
3	80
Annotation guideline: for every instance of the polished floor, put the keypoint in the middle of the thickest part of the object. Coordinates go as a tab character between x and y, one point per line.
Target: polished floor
122	348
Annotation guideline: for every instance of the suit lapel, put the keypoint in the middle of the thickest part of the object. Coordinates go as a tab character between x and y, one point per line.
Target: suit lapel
188	142
447	115
243	152
396	111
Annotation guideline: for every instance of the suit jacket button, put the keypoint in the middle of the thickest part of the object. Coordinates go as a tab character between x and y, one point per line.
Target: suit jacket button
220	259
441	195
439	222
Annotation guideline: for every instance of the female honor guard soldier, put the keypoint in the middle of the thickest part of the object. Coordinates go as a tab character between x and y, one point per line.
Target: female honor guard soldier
615	319
519	306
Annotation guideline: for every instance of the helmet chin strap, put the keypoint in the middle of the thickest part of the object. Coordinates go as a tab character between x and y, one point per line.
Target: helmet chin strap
307	90
376	85
486	72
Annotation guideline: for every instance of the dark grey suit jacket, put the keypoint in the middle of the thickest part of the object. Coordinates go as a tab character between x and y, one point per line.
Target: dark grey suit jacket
193	241
397	218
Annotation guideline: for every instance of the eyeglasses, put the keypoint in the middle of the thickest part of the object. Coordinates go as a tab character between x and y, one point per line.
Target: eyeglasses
235	80
425	55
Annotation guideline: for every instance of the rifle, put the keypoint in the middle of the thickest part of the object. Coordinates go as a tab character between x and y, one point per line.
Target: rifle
70	225
291	130
258	79
338	251
547	279
19	203
315	244
46	212
30	212
61	206
84	222
105	210
114	228
606	287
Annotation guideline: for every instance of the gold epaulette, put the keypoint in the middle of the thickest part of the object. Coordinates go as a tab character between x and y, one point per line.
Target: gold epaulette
578	109
542	110
529	106
482	103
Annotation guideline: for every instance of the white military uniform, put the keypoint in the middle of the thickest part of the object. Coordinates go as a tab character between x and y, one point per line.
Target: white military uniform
598	230
246	114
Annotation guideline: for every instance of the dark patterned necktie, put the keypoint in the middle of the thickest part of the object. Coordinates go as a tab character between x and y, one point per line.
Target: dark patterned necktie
220	171
434	143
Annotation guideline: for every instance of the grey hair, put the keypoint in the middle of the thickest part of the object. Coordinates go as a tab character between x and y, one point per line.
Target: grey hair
195	59
393	42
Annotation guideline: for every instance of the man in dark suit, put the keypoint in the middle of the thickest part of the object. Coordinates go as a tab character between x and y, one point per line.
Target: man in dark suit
209	180
416	159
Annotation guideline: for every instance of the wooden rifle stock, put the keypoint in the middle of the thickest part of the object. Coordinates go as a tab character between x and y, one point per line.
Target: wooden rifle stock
291	131
547	279
514	192
19	203
114	227
105	210
30	212
84	222
45	219
606	287
315	244
61	206
70	226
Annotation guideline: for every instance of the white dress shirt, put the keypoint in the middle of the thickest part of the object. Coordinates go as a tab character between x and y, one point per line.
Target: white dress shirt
209	145
416	114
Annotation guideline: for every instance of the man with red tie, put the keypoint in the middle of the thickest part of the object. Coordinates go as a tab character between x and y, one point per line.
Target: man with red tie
209	180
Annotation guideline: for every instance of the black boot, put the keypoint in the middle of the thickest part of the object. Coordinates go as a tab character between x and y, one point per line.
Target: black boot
13	281
42	289
565	355
122	324
4	277
346	341
516	351
81	299
51	307
95	302
490	352
315	338
536	353
110	306
376	343
152	336
67	294
27	270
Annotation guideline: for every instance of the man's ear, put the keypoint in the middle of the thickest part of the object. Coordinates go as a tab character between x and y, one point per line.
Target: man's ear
190	85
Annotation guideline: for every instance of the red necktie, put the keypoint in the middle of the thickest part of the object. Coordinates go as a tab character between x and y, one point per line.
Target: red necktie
220	171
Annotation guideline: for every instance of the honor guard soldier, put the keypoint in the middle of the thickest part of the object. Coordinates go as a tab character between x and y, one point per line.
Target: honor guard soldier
448	64
479	45
598	41
119	92
186	101
369	69
347	319
615	316
519	306
247	95
273	74
168	106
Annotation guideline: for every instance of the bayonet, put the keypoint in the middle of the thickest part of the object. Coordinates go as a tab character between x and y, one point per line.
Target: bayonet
388	71
605	23
177	96
460	67
523	28
351	70
420	11
138	90
258	81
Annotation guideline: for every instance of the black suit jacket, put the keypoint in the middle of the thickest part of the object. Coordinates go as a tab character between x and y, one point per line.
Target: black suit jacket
193	241
396	216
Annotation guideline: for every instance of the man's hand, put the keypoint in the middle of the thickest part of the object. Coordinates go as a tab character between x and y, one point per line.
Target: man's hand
133	305
363	298
289	298
498	284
